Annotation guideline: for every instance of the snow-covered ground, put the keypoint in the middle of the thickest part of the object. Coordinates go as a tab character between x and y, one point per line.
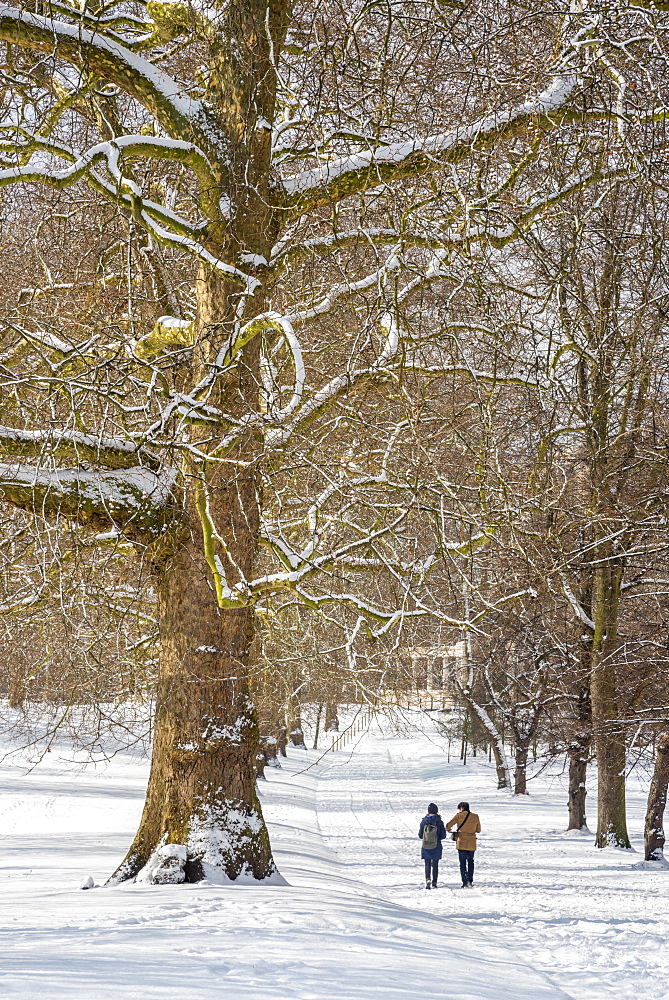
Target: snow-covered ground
551	917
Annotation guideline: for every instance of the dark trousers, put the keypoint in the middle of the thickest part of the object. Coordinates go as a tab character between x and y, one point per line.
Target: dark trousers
466	866
434	865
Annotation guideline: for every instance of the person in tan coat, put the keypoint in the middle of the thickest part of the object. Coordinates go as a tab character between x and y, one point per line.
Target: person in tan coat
467	825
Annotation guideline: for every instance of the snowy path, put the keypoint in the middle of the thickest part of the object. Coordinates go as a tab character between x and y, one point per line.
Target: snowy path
596	926
551	918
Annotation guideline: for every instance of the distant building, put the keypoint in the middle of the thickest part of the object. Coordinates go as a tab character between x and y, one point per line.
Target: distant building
431	665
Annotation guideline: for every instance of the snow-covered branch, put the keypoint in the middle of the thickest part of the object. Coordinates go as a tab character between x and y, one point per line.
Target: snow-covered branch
137	501
111	152
575	604
351	174
115	453
112	61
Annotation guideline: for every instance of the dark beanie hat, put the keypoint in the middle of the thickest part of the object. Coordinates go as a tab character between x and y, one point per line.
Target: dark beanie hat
432	808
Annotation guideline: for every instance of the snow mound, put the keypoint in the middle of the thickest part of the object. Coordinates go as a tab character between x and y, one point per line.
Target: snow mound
166	866
651	866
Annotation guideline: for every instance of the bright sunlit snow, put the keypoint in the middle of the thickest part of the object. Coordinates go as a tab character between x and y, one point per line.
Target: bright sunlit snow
550	917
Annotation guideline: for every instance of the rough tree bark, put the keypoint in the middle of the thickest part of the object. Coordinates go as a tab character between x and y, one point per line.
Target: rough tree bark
578	753
609	735
269	747
331	718
206	738
282	739
501	763
295	730
654	838
520	770
201	779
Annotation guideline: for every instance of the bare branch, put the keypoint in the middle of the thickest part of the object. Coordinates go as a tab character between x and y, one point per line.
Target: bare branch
115	453
155	90
350	175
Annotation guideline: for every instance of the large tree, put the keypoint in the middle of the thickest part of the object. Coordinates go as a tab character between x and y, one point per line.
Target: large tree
323	166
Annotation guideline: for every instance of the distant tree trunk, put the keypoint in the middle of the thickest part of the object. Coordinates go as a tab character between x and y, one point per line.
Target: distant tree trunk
295	731
501	764
464	742
267	751
657	799
331	718
317	729
270	747
478	734
260	762
520	772
578	753
495	737
282	738
609	736
611	763
16	689
523	737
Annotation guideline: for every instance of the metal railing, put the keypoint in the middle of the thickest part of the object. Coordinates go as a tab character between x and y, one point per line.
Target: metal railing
361	721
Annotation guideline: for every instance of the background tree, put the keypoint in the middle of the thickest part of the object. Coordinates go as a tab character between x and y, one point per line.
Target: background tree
273	148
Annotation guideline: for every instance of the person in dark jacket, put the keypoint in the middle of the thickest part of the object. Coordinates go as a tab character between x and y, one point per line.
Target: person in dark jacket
432	855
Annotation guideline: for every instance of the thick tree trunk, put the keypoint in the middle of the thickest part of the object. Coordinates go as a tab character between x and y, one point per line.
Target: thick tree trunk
609	736
331	718
501	764
295	730
578	753
282	739
520	772
201	794
202	817
657	799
